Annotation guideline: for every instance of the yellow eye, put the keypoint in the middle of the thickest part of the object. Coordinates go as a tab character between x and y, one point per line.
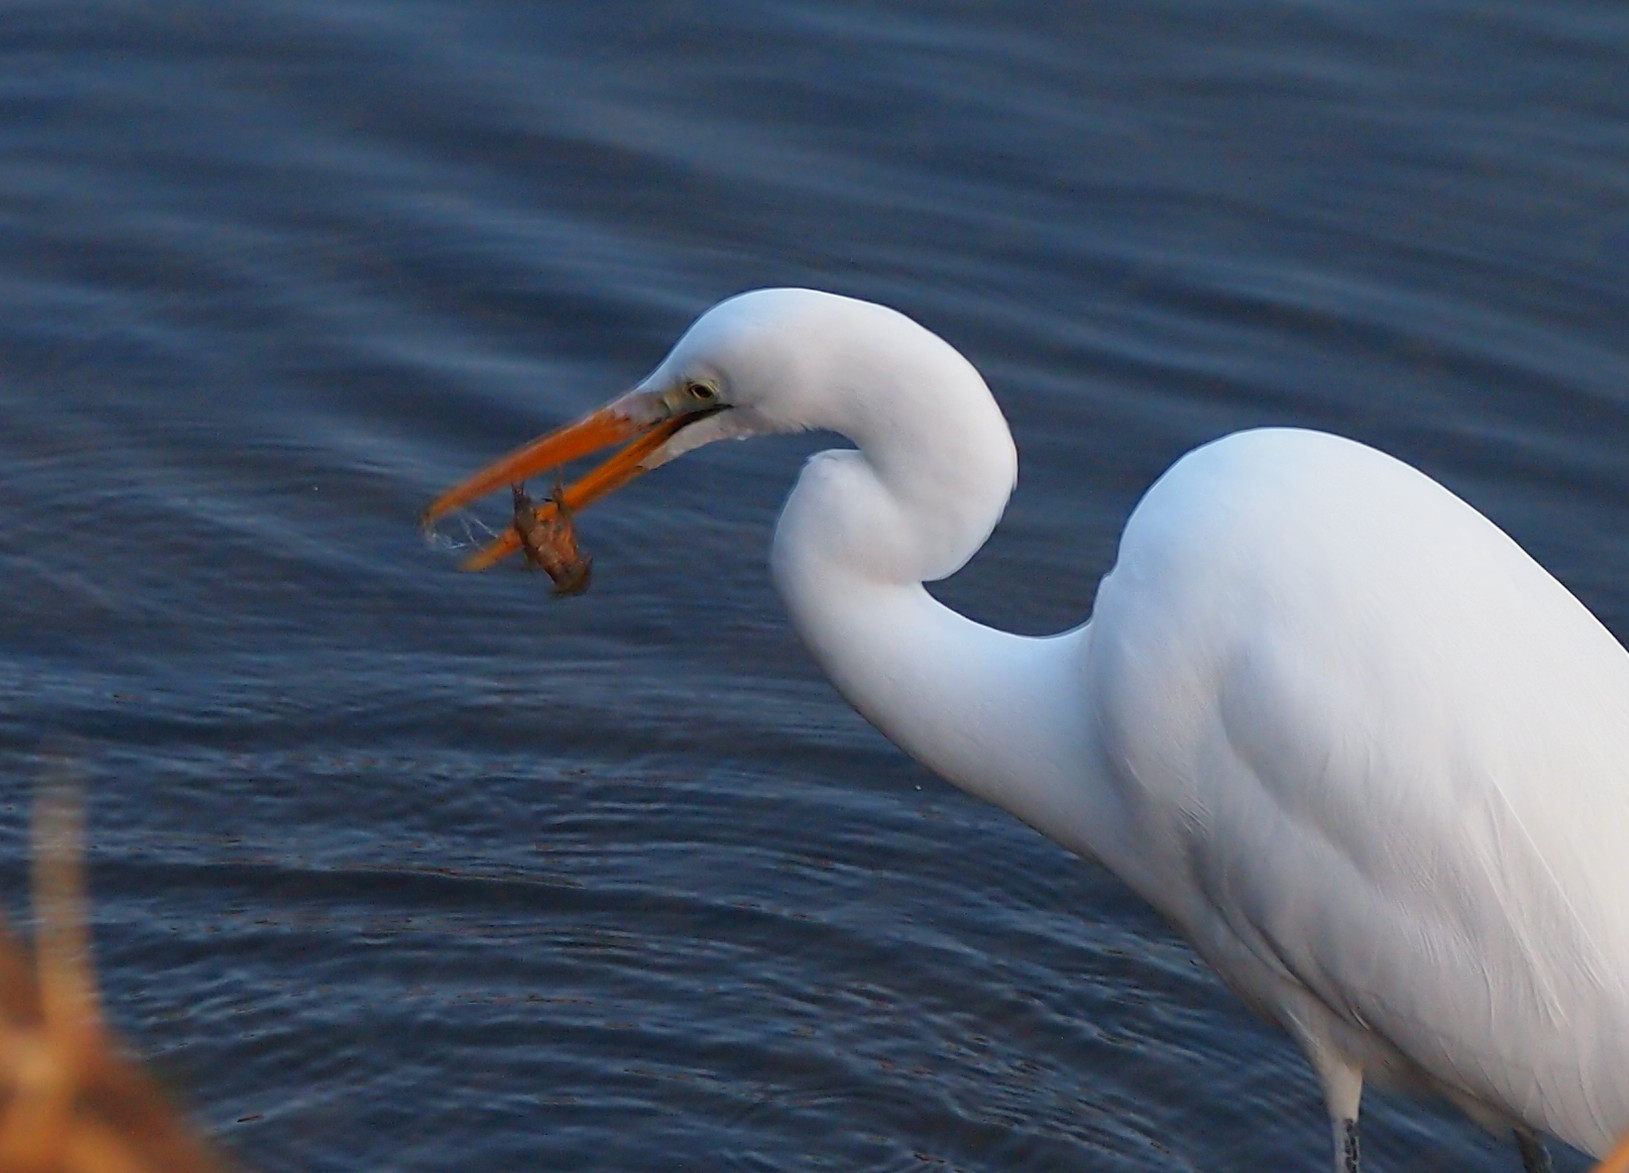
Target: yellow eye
702	392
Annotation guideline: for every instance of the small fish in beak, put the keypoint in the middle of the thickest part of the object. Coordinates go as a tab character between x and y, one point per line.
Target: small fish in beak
644	422
548	538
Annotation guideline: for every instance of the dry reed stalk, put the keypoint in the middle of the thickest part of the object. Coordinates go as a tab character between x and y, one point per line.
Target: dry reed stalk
69	1101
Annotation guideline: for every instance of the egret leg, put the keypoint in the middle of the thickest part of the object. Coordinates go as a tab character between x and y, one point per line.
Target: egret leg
1535	1158
1343	1092
1346	1145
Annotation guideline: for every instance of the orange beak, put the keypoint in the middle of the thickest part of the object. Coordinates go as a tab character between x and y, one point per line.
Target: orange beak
639	416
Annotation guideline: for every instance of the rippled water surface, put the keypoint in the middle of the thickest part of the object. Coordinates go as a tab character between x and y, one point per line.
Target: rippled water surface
397	868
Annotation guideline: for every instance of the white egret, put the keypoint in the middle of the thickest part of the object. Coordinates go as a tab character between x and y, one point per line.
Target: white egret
1328	719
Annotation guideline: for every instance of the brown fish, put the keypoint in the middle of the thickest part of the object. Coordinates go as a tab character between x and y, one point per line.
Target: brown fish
549	539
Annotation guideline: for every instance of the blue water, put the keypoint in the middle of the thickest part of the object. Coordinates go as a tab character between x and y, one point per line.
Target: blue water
398	868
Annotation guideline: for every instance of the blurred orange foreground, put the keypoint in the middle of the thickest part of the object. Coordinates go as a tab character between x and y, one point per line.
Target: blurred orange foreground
69	1101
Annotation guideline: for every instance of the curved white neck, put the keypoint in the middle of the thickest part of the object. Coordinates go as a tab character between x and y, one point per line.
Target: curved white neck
999	715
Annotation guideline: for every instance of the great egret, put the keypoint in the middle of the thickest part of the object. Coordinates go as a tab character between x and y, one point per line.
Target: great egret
1328	719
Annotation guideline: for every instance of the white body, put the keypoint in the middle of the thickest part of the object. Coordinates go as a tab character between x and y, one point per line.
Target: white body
1393	774
1336	726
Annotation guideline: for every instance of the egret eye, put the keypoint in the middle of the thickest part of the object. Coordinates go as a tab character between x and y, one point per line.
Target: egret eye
702	392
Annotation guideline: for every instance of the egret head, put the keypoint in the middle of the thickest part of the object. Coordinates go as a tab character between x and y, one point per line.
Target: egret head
772	360
719	381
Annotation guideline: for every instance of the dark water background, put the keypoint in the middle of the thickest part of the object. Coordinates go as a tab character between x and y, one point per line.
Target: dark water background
401	869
